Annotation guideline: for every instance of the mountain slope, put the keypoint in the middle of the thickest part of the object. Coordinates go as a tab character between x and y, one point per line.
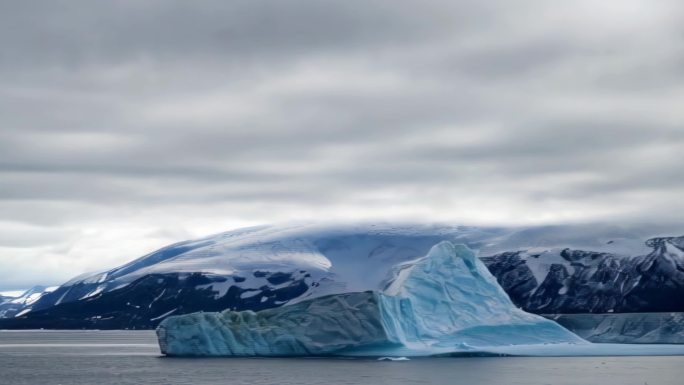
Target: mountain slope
22	304
581	281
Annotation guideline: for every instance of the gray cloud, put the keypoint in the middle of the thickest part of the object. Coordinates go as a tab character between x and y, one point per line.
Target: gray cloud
129	125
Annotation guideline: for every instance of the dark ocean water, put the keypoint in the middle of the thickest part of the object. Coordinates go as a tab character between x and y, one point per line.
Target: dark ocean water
132	357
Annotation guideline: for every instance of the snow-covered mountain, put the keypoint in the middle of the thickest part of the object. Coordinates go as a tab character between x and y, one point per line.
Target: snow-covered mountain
553	269
11	306
570	280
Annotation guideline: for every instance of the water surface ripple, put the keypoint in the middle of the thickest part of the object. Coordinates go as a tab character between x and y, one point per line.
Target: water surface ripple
132	357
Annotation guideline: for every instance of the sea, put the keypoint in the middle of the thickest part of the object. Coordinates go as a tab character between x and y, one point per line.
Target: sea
44	357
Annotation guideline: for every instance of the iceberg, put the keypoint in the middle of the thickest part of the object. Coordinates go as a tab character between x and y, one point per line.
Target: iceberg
446	302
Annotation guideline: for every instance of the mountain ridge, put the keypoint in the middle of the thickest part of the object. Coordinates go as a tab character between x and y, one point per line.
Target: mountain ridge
269	266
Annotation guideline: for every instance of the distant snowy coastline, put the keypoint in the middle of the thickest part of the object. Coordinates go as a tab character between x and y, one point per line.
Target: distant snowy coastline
550	270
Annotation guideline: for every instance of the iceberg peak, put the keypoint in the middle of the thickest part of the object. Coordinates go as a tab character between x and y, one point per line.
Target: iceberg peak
448	298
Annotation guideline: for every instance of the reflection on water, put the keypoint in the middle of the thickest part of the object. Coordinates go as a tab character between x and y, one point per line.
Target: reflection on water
132	357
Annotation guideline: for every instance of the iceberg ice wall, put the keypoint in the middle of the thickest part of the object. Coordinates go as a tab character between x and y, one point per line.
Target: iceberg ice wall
444	302
316	327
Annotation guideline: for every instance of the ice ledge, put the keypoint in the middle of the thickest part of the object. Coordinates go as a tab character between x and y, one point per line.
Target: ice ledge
315	327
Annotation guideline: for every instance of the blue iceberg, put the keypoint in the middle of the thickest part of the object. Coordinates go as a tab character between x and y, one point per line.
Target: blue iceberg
446	302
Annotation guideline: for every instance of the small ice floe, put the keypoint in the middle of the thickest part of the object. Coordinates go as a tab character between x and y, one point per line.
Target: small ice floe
393	359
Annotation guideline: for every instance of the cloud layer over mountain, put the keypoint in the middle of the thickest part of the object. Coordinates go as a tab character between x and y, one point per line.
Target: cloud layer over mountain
128	125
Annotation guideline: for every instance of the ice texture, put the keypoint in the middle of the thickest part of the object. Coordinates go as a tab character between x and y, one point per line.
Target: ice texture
450	297
320	326
442	303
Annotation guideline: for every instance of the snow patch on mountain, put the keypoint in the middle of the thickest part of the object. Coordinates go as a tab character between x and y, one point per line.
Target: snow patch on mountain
17	305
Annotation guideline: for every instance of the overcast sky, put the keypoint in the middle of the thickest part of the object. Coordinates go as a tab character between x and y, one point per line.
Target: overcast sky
127	125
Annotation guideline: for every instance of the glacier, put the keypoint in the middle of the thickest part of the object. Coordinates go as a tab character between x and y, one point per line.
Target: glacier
446	302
